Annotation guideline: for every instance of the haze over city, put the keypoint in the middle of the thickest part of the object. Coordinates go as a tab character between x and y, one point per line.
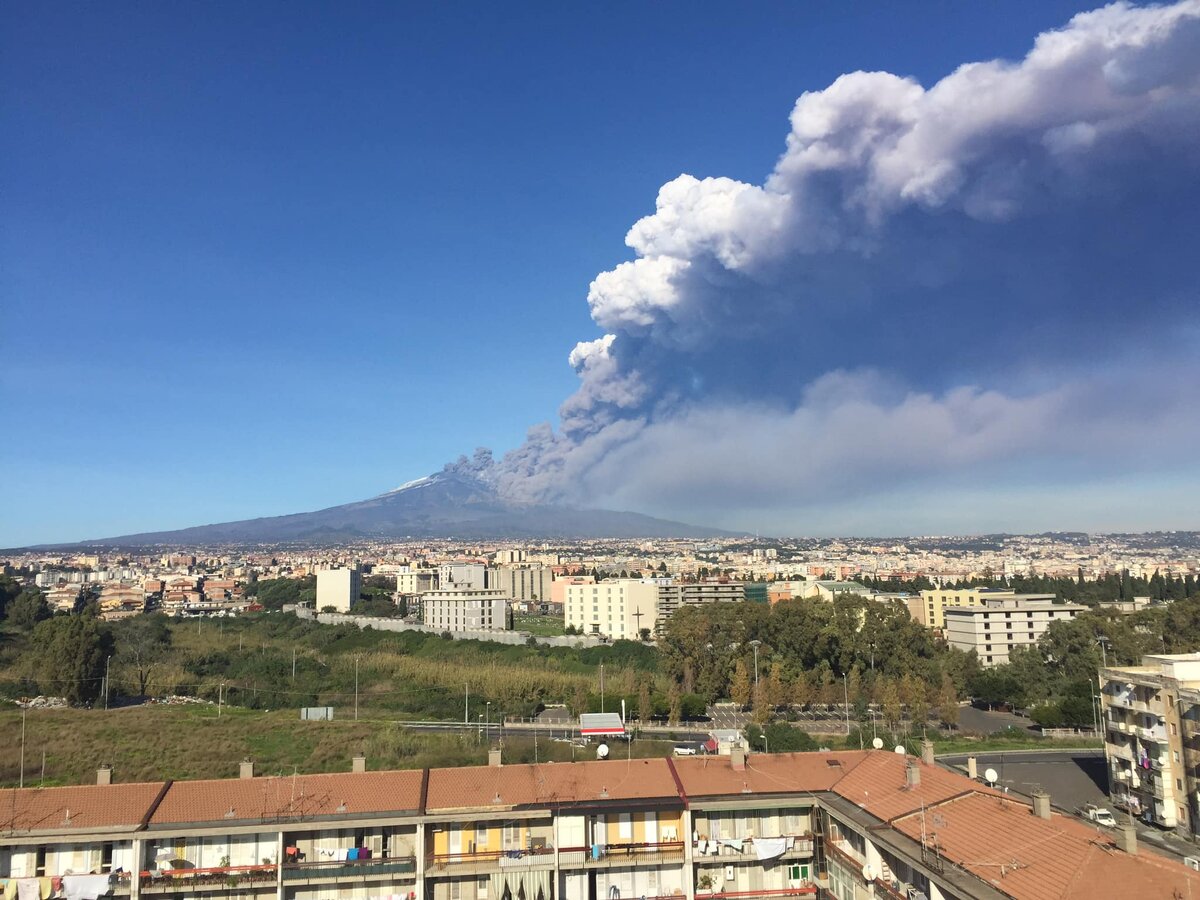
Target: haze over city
934	275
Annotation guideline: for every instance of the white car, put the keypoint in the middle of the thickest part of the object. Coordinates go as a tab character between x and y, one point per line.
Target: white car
684	750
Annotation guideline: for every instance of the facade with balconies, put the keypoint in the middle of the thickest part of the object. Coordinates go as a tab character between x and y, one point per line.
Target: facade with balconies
845	825
1152	738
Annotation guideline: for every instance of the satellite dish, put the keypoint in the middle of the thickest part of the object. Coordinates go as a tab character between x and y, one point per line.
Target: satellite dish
602	751
868	873
877	743
900	751
991	776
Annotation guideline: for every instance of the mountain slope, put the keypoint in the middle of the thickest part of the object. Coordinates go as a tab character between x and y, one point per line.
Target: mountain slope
448	504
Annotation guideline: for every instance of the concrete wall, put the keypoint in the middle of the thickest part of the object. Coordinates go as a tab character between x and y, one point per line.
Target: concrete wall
514	638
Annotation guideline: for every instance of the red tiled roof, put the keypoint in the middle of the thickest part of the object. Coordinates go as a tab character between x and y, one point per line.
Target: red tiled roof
290	797
779	773
78	808
879	785
489	787
1002	842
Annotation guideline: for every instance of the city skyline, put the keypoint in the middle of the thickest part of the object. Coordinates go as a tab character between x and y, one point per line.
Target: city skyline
274	261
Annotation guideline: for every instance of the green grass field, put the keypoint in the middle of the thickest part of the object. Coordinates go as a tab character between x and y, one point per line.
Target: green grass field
155	742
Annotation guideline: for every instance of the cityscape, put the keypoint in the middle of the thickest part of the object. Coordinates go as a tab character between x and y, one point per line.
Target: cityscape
853	554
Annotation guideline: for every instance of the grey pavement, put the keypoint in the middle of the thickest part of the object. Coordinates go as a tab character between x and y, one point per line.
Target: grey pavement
982	721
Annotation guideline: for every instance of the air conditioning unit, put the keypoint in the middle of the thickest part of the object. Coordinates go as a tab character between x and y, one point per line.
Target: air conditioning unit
1122	726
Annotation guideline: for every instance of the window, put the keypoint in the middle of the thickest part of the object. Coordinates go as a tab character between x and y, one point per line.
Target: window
798	873
481	838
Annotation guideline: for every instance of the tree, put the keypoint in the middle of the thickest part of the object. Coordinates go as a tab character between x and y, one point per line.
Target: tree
72	651
739	687
580	702
775	692
762	709
675	707
890	701
142	642
28	609
948	703
801	695
918	704
645	708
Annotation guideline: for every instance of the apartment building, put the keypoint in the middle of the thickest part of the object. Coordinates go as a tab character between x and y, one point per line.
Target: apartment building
1152	738
998	626
339	588
618	609
930	607
476	576
848	825
465	609
524	583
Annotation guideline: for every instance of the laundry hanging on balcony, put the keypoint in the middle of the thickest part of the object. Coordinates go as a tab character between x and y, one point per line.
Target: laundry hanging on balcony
509	885
769	848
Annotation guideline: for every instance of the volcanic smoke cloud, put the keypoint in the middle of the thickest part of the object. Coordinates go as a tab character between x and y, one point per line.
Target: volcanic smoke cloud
989	281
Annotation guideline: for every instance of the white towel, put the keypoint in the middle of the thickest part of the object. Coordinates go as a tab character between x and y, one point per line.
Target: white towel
85	887
733	843
769	848
28	889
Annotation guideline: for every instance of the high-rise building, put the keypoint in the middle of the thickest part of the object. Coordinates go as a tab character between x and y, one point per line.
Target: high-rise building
339	588
930	608
998	626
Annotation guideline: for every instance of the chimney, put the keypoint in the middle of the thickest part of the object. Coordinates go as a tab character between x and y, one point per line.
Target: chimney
494	759
972	768
927	752
358	763
247	768
1127	839
1041	804
104	775
912	775
737	759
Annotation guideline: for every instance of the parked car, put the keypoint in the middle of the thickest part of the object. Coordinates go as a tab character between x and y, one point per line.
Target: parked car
684	750
1098	814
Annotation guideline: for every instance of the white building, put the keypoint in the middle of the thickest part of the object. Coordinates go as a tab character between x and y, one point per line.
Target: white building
468	575
339	588
998	626
465	609
617	609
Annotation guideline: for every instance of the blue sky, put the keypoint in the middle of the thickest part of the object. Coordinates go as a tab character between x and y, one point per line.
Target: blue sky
260	258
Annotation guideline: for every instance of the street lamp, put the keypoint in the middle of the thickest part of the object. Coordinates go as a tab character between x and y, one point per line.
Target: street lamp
766	746
756	645
1103	642
487	722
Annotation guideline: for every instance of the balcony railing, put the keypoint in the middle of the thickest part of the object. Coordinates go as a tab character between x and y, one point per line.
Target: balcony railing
843	853
889	890
634	853
217	878
802	845
807	890
362	868
491	859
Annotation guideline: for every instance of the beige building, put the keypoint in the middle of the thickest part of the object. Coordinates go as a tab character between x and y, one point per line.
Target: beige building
673	596
531	583
465	609
1152	738
339	588
618	609
1000	625
930	608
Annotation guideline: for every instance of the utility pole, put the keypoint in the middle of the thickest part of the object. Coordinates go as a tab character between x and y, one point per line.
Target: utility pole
755	645
21	783
293	665
106	664
356	689
466	702
220	697
601	687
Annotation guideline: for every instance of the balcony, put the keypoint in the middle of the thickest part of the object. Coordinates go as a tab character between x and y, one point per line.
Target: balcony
808	890
1120	751
890	890
490	860
802	846
220	878
1157	734
343	870
622	855
843	853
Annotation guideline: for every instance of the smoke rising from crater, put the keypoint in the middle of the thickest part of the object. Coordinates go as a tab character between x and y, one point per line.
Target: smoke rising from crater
992	278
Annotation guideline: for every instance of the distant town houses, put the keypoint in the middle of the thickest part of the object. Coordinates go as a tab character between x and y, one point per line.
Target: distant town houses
627	589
